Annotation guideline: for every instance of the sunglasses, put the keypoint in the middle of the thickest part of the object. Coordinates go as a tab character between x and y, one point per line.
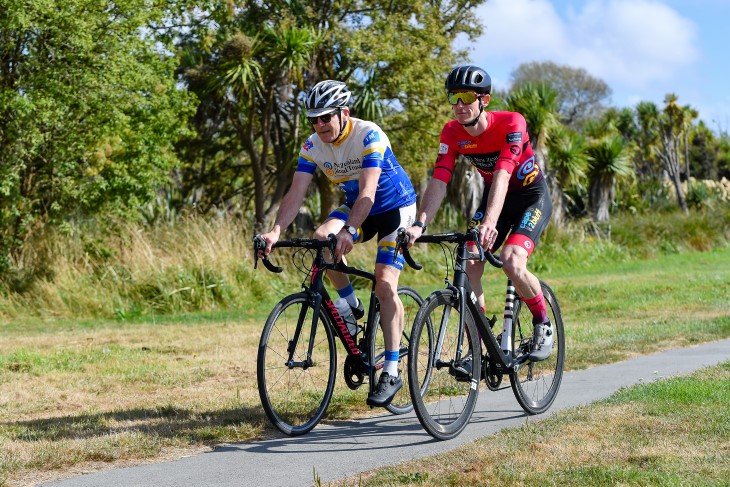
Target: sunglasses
466	97
324	118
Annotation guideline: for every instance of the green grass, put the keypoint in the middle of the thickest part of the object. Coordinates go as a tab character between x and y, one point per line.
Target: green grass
673	432
127	380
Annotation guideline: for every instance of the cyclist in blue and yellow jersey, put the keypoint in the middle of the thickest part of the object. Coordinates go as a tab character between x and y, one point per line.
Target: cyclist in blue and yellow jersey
379	198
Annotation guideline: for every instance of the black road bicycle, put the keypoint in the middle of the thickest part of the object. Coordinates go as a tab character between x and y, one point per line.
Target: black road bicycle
297	357
446	360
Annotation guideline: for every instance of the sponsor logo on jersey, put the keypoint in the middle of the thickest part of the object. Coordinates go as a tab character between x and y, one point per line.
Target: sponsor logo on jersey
515	149
443	149
528	171
485	162
530	219
329	169
372	136
307	145
513	137
466	144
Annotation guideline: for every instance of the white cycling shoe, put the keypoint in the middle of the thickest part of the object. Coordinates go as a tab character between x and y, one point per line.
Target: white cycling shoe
542	342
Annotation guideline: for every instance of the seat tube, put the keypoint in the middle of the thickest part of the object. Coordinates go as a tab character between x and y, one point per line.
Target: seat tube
509	307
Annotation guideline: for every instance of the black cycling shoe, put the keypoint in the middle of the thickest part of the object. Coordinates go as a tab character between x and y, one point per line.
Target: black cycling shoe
462	373
359	311
385	391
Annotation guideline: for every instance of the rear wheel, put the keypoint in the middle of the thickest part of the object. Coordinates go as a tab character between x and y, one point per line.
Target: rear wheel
412	302
536	384
444	390
295	393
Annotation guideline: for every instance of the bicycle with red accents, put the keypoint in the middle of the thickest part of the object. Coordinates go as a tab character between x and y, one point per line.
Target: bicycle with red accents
297	356
446	361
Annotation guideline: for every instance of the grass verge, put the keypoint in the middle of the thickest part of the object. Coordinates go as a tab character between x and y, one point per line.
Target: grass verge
661	443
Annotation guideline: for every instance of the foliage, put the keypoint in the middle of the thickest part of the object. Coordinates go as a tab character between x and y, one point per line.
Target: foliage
580	97
88	113
251	68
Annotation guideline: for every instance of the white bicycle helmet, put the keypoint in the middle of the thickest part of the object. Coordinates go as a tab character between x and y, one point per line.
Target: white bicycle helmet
326	97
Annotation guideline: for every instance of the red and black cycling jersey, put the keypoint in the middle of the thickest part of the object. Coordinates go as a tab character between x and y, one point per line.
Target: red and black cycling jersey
504	145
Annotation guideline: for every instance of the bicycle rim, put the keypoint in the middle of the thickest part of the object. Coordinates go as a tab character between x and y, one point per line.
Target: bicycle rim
536	384
412	302
295	398
443	403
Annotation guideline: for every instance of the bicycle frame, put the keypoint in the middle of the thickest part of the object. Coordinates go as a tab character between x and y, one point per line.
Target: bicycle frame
502	359
318	295
500	354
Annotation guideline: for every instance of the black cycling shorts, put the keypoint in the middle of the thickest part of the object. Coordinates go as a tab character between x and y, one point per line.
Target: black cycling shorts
525	215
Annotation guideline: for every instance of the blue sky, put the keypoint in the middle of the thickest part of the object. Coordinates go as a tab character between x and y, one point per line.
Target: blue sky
643	49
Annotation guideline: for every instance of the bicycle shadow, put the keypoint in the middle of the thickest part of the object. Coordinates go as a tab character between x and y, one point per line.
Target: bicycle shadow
382	432
352	435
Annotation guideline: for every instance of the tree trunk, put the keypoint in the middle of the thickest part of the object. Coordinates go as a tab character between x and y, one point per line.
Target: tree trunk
466	188
601	194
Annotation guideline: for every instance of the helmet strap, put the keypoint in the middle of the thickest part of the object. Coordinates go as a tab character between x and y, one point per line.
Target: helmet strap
342	125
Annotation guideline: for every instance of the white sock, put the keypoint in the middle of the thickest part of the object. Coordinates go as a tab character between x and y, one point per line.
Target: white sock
352	300
391	367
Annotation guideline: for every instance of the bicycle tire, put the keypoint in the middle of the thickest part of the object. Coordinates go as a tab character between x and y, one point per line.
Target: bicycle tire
446	404
412	301
536	384
295	399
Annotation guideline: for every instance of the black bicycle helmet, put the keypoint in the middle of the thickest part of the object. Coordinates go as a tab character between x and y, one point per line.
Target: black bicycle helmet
326	97
469	78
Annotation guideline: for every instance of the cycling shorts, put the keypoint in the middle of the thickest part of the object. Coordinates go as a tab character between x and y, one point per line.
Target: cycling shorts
385	226
525	215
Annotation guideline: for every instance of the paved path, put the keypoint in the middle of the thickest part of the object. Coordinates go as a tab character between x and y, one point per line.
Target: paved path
347	448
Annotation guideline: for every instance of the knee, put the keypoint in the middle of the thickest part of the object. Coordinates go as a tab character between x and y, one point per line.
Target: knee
513	266
386	291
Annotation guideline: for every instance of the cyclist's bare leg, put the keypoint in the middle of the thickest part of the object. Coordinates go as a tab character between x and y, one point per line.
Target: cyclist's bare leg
391	308
515	266
333	225
474	271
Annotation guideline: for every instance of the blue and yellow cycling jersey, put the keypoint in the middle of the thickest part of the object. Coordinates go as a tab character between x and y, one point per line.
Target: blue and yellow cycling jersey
363	145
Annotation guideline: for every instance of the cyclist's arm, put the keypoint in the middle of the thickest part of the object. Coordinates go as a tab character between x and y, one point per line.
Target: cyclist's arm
289	208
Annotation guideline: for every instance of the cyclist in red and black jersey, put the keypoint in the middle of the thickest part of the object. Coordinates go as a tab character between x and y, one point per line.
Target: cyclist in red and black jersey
516	199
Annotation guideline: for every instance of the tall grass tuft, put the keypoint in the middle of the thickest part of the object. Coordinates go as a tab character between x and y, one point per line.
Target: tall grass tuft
197	264
206	264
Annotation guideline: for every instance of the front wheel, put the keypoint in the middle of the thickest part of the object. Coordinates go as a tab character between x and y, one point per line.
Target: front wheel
536	384
296	365
444	387
412	302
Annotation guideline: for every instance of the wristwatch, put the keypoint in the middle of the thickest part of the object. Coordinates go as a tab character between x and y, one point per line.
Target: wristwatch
351	230
419	223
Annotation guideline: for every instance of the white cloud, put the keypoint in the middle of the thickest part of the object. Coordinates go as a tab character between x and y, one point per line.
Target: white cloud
630	44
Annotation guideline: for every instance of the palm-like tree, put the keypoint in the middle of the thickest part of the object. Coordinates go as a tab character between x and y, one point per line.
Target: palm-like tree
538	104
255	78
568	162
607	162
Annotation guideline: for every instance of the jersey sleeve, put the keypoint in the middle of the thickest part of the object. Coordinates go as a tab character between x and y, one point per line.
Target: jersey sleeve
305	162
515	138
446	158
374	145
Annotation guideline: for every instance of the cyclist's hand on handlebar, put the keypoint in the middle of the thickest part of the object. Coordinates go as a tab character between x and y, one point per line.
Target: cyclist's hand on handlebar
270	239
413	233
344	245
487	234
